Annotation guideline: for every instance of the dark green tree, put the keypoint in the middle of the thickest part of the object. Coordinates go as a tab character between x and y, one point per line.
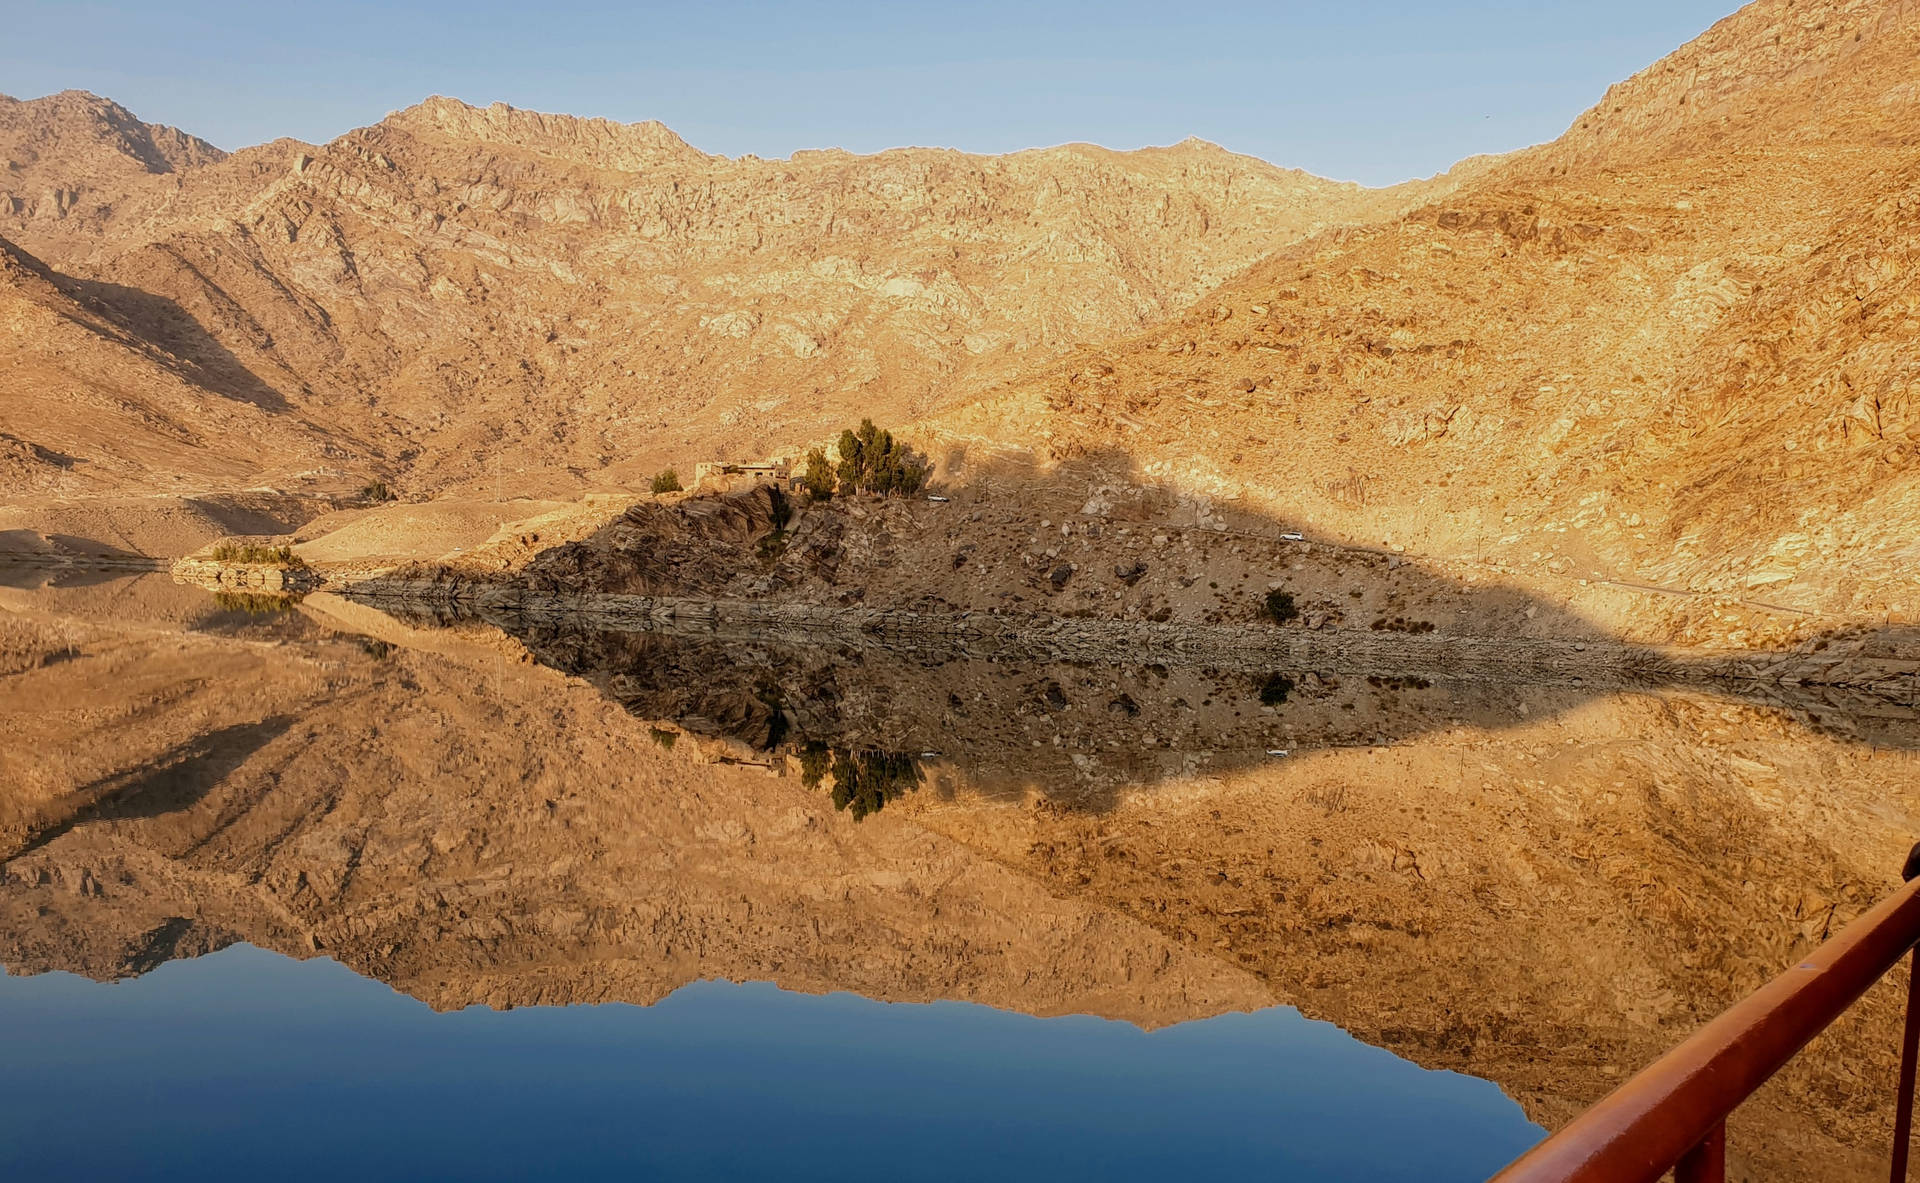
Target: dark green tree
819	477
815	762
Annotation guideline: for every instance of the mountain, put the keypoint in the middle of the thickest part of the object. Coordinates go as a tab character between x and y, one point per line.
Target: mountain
1673	350
1670	350
471	289
70	153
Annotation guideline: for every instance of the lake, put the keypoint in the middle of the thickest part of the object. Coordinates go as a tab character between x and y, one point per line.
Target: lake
322	887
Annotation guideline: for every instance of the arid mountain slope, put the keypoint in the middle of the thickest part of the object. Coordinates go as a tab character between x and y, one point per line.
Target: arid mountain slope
1665	350
477	290
1828	71
93	406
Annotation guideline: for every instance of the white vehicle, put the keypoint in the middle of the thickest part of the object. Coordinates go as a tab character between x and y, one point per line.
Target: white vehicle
936	497
1293	538
1278	752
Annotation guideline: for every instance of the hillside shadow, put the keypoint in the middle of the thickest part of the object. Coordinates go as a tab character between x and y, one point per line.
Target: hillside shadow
175	780
163	322
1078	631
30	560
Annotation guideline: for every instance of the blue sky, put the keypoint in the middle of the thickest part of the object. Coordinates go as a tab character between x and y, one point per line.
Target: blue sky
1368	90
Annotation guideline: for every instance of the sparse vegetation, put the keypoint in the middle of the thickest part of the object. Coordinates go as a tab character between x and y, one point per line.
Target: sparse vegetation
1400	624
777	721
249	552
1275	690
667	481
773	544
1280	606
872	461
662	737
819	476
376	491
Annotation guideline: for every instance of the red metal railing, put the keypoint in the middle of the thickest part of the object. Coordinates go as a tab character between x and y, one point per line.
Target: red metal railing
1673	1115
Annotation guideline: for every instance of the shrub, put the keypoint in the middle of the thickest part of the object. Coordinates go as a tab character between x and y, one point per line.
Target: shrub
667	481
771	546
663	737
818	478
376	490
1280	606
1275	690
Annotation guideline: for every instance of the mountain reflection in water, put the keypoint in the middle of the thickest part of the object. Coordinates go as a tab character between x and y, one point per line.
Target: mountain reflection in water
875	725
877	720
1541	883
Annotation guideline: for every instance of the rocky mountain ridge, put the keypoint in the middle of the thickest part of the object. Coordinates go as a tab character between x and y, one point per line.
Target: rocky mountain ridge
470	289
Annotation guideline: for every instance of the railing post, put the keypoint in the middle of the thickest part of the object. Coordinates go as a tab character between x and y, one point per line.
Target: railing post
1707	1161
1909	1050
1903	1097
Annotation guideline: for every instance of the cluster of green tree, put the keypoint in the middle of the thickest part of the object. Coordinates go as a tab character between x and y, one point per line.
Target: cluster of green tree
667	481
1280	606
863	782
871	461
249	552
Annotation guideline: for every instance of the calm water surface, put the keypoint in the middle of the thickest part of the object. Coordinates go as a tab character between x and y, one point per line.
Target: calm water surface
1464	871
247	1064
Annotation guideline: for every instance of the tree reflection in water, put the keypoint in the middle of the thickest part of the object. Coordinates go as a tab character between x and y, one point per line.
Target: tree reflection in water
863	781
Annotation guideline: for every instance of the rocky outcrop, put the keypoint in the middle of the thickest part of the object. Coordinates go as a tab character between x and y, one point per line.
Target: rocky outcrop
227	576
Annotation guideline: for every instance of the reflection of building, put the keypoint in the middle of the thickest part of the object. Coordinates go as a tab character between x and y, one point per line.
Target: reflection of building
726	474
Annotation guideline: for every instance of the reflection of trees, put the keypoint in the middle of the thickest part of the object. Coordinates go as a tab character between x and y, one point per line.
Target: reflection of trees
254	603
863	781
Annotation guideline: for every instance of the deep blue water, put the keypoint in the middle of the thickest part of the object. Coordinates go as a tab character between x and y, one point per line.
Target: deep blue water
246	1064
